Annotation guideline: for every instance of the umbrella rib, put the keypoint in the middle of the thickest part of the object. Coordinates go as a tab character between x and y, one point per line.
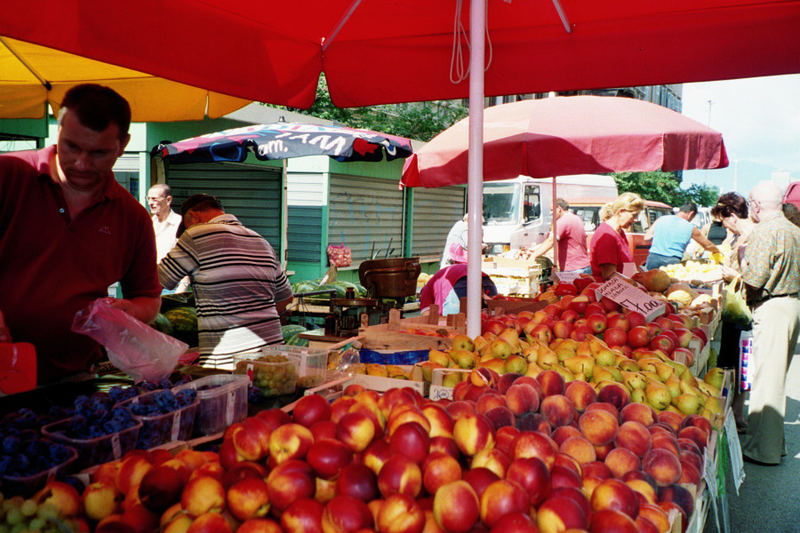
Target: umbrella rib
562	16
43	81
328	40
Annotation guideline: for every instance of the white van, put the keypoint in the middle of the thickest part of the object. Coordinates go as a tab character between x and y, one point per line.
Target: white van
518	212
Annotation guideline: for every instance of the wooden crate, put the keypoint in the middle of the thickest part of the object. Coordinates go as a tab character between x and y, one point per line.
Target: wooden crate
415	333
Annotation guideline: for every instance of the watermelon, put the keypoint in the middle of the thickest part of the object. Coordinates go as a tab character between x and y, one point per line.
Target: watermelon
290	330
162	324
184	324
341	291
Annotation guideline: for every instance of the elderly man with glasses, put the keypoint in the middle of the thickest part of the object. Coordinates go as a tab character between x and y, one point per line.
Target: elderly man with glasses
771	273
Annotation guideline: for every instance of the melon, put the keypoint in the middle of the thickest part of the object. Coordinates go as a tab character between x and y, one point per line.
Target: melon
184	324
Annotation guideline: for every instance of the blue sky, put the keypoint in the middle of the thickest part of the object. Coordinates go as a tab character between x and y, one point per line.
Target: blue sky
759	119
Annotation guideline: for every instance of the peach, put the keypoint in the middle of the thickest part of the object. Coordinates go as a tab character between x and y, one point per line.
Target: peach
566	461
357	481
500	417
522	398
613	494
289	481
202	495
303	515
441	423
598	426
376	416
669	506
400	474
99	499
339	407
558	409
690	473
495	460
376	454
479	478
447	445
515	523
614	393
663	465
131	471
579	449
564	477
581	394
644	489
355	429
456	507
310	409
472	433
656	515
248	498
699	421
696	434
559	513
439	469
551	381
290	441
534	444
620	461
665	441
605	406
345	514
534	422
161	486
610	520
532	474
500	498
678	494
596	469
639	412
400	513
562	433
412	440
260	525
504	438
460	408
672	419
634	436
328	456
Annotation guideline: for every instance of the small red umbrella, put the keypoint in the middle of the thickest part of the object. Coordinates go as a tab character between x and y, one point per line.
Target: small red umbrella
569	135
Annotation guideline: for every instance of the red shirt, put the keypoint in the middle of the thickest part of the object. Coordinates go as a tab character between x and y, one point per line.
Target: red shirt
572	254
52	266
609	247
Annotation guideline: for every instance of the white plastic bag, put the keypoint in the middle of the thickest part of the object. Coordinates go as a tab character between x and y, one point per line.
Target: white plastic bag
134	347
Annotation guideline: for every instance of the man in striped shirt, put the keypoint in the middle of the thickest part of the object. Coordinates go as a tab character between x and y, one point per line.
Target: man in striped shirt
239	286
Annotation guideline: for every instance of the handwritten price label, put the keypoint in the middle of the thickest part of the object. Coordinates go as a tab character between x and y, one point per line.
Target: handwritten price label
632	298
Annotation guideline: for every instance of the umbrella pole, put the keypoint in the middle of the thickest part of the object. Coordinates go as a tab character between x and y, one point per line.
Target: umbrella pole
477	29
555	224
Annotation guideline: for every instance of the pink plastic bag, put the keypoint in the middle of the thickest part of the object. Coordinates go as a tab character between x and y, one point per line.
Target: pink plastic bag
134	347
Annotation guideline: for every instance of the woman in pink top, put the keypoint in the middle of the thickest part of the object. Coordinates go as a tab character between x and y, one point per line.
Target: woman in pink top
609	248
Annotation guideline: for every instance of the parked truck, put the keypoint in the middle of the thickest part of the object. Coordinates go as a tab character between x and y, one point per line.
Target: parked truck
518	212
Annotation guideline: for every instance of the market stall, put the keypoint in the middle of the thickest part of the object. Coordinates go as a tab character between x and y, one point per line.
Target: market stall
589	397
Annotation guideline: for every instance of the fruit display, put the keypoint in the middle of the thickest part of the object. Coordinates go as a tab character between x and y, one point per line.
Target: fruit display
597	342
698	272
272	374
54	509
165	415
521	454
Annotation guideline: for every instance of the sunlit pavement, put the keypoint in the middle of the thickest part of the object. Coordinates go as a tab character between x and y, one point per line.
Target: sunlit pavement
769	498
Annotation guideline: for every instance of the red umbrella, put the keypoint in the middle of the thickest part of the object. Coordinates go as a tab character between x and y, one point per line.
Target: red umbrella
569	135
386	51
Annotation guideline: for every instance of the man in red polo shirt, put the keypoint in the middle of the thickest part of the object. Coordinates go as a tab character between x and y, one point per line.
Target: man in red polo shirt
572	254
68	230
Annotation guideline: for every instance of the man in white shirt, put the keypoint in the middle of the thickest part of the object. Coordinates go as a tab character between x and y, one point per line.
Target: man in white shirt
165	224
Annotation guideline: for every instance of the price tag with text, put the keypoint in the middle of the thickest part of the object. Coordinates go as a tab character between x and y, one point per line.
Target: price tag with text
566	277
631	298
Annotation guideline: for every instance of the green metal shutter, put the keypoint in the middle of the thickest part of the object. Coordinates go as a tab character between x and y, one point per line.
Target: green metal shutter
435	212
366	214
251	193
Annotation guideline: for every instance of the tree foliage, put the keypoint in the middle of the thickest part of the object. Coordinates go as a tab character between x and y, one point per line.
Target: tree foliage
418	120
665	187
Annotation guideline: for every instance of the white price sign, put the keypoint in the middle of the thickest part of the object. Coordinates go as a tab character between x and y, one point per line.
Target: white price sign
632	298
566	277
